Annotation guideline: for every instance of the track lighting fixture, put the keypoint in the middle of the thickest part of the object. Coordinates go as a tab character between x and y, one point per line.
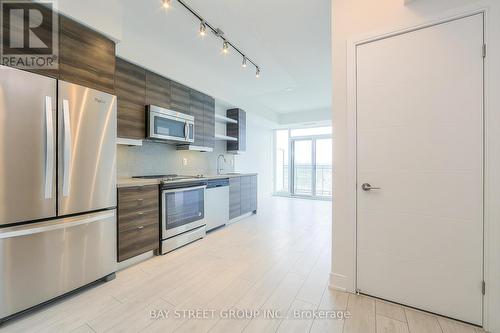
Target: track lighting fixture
218	33
166	3
203	29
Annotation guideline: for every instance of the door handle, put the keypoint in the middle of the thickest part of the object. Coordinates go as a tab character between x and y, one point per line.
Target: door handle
67	147
368	187
49	155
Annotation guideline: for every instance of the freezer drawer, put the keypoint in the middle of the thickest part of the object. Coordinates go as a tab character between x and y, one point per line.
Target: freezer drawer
41	261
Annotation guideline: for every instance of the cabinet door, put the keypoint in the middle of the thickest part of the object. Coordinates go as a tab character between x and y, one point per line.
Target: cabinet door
253	193
158	90
86	57
237	130
138	221
130	84
246	189
198	111
234	197
242	130
232	129
180	98
209	122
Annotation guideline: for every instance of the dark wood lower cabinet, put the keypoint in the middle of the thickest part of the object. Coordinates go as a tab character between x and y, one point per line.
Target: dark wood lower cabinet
234	197
242	195
138	221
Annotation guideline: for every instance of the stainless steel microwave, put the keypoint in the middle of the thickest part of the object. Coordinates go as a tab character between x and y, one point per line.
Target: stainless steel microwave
168	125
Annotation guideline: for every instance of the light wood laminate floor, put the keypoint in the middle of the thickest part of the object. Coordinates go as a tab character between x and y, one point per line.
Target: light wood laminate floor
276	260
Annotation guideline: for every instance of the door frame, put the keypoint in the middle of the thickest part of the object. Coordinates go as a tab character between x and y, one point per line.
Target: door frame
351	203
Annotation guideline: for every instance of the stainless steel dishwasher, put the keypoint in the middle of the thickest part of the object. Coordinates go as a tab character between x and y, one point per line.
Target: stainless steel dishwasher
217	203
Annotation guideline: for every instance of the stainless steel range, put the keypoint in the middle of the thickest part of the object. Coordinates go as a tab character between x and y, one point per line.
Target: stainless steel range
182	210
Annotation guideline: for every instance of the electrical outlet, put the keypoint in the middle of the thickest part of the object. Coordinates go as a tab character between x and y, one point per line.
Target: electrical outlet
184	161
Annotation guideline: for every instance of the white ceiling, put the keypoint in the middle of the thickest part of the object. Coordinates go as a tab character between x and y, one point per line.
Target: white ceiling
289	39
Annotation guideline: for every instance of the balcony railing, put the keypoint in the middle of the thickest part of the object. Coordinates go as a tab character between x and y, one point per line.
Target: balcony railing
303	180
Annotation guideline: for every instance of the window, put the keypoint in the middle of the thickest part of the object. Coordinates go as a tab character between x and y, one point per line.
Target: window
303	162
281	165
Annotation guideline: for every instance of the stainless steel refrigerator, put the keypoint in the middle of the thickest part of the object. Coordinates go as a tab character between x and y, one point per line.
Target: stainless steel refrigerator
57	188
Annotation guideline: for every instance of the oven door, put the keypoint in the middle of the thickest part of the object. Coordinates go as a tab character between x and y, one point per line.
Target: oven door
170	128
183	209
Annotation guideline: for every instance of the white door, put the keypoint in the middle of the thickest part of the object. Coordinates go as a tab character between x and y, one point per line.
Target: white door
420	139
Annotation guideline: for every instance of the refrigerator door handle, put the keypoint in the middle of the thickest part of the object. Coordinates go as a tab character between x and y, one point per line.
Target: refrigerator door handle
61	224
67	148
49	155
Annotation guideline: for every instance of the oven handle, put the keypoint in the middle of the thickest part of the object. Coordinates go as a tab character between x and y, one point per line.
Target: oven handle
183	189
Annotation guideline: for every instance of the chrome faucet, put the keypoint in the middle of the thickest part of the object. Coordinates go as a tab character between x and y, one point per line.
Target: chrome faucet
219	167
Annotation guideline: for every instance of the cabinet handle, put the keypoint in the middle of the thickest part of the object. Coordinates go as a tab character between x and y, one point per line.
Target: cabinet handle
140	213
140	227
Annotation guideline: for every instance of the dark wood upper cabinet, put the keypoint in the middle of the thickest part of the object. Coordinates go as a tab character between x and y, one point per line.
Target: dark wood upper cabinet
130	86
237	130
209	122
158	90
180	97
197	108
85	56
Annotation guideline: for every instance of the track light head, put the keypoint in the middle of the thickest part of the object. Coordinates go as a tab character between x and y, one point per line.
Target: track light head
257	72
203	29
166	3
225	47
244	63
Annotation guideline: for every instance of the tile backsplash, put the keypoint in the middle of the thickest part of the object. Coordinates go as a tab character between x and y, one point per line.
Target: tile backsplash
158	158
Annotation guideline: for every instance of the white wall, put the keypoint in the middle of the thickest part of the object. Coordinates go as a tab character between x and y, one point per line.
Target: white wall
103	16
355	20
306	116
259	153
